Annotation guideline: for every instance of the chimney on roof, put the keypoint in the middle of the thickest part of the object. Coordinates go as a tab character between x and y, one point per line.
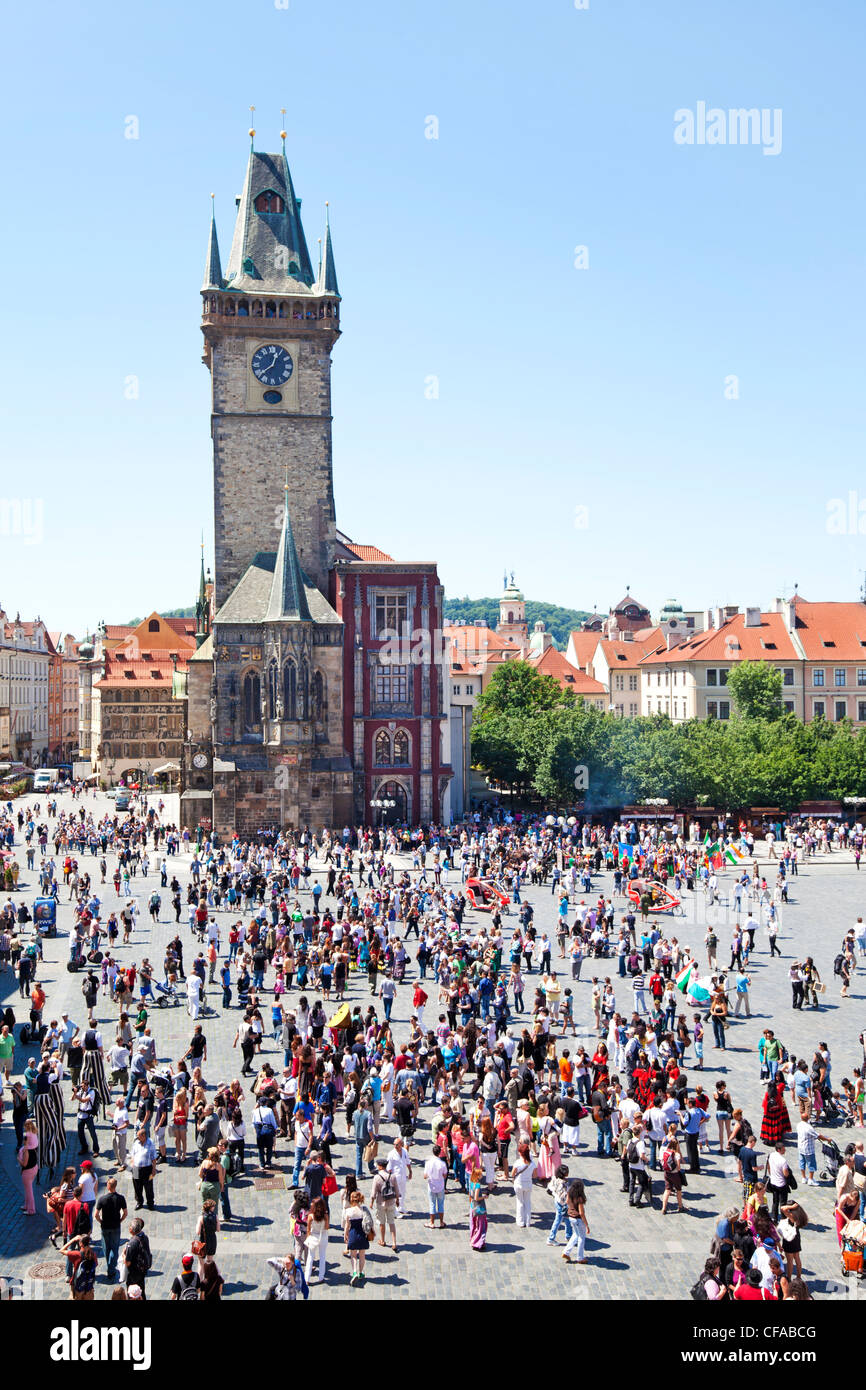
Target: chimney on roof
674	639
753	617
627	635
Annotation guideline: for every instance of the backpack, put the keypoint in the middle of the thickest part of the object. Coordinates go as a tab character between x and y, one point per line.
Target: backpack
85	1276
189	1292
367	1222
631	1152
668	1161
83	1224
698	1290
389	1192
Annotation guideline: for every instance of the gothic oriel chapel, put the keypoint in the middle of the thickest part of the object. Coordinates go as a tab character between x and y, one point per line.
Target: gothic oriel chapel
299	713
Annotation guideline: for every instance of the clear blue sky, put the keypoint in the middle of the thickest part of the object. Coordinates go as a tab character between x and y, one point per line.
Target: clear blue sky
558	388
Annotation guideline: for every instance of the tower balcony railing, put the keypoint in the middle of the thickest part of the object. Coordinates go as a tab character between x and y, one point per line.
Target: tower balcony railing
320	313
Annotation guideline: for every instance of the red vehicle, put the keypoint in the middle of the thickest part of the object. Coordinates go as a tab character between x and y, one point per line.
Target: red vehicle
663	900
484	895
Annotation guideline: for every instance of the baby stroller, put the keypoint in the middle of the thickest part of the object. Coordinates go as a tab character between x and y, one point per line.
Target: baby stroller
833	1160
166	995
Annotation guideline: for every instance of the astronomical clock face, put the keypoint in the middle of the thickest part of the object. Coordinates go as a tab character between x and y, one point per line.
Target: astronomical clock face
272	365
200	760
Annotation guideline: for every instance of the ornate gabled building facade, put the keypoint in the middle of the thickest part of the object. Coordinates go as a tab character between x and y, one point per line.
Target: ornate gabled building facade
289	687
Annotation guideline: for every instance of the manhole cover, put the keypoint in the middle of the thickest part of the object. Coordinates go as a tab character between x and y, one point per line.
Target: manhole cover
268	1184
51	1269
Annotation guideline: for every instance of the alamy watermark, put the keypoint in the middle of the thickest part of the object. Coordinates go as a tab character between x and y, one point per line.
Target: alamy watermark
22	517
713	125
846	516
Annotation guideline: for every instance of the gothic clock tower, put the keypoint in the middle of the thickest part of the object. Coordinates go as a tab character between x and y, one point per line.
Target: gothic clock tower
270	324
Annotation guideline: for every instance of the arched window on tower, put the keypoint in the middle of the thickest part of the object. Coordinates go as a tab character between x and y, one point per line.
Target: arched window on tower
272	689
304	692
243	309
382	749
290	691
252	703
270	310
401	748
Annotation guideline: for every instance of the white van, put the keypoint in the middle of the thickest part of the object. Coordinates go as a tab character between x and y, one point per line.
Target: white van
45	779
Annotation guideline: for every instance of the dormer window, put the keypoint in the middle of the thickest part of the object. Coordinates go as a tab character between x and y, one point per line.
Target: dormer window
269	202
153	625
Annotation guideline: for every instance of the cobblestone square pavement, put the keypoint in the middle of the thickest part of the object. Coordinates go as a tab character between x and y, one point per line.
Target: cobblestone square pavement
632	1254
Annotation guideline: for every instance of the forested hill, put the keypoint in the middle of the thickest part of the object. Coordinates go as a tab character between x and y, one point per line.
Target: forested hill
558	621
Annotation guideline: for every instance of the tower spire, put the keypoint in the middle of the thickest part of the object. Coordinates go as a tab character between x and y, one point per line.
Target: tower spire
202	607
213	275
327	281
288	597
269	250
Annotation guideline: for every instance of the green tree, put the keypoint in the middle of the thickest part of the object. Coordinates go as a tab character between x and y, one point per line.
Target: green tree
756	689
517	690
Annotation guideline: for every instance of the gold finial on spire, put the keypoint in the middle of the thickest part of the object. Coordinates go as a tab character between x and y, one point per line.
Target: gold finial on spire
251	131
286	484
282	132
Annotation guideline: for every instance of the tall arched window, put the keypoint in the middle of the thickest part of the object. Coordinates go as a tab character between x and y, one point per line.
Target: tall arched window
272	690
382	754
401	748
290	691
304	692
252	703
319	698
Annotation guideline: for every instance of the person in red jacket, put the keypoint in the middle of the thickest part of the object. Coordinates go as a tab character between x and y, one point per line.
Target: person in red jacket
419	999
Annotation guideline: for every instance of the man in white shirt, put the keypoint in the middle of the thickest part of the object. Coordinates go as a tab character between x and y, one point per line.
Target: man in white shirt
435	1173
400	1168
656	1122
761	1260
120	1125
193	994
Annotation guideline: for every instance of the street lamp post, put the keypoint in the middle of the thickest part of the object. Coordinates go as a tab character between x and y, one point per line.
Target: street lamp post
382	804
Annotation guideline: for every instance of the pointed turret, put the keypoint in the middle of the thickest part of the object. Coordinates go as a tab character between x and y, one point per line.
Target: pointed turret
202	607
327	281
269	250
288	596
213	275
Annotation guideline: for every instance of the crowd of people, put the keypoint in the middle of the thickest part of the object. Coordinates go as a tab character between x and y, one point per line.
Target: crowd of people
311	940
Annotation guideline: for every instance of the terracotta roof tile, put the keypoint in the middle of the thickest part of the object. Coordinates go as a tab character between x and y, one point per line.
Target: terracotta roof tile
733	641
843	624
370	554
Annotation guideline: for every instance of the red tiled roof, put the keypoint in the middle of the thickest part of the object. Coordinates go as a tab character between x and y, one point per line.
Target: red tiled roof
185	626
630	653
553	663
584	644
733	641
466	637
370	554
843	624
